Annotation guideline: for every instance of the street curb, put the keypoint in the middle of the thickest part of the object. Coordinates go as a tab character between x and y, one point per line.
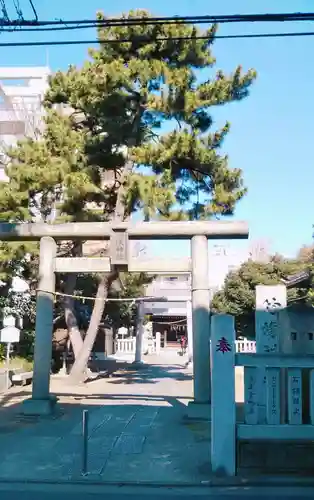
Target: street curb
259	481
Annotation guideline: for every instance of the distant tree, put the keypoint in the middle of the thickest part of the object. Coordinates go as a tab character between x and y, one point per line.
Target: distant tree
237	297
306	253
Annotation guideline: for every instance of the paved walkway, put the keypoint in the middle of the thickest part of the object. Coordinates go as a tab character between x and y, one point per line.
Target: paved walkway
136	430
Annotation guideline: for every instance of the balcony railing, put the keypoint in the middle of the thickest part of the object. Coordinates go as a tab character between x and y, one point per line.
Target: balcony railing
157	291
20	120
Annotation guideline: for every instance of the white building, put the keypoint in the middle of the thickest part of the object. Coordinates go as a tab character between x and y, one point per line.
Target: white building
21	114
21	111
170	315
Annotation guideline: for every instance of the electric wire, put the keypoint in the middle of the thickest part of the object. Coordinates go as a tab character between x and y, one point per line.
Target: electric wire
211	19
72	26
158	39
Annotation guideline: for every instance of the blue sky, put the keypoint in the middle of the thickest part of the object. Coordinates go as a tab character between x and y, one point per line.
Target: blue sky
271	136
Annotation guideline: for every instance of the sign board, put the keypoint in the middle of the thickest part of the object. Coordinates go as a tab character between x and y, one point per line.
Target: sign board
9	321
122	332
119	248
10	334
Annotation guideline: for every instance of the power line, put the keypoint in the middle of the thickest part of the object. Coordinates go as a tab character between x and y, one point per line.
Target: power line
159	39
18	10
6	21
17	29
4	11
78	25
34	10
233	18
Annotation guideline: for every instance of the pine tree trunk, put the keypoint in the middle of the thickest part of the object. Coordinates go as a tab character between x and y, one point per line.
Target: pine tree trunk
81	362
80	365
70	316
69	310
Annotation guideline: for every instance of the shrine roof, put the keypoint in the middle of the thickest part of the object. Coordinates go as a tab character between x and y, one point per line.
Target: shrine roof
296	279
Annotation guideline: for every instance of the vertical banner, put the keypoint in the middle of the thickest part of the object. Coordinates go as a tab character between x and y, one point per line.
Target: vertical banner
270	301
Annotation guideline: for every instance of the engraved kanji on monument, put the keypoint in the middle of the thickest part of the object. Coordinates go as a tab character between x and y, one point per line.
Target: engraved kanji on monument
270	301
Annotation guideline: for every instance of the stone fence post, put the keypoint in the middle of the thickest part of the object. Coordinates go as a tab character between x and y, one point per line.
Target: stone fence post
158	343
223	405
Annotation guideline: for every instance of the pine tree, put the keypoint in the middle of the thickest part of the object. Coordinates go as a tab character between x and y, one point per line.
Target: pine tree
142	80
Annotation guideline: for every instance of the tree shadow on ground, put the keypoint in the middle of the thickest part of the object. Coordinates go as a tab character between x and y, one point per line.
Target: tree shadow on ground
173	401
116	373
77	396
149	374
12	398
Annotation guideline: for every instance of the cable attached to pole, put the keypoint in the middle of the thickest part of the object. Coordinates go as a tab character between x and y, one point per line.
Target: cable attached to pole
159	39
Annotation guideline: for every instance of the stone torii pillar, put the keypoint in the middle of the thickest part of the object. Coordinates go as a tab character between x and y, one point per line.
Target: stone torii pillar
201	325
189	327
119	235
41	402
139	333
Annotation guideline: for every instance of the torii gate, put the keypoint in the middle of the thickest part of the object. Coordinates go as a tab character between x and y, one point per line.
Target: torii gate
199	232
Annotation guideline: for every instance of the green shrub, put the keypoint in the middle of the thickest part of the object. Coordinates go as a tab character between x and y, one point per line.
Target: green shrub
2	352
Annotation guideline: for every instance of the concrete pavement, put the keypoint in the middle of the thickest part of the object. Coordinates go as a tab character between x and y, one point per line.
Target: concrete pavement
136	430
83	492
